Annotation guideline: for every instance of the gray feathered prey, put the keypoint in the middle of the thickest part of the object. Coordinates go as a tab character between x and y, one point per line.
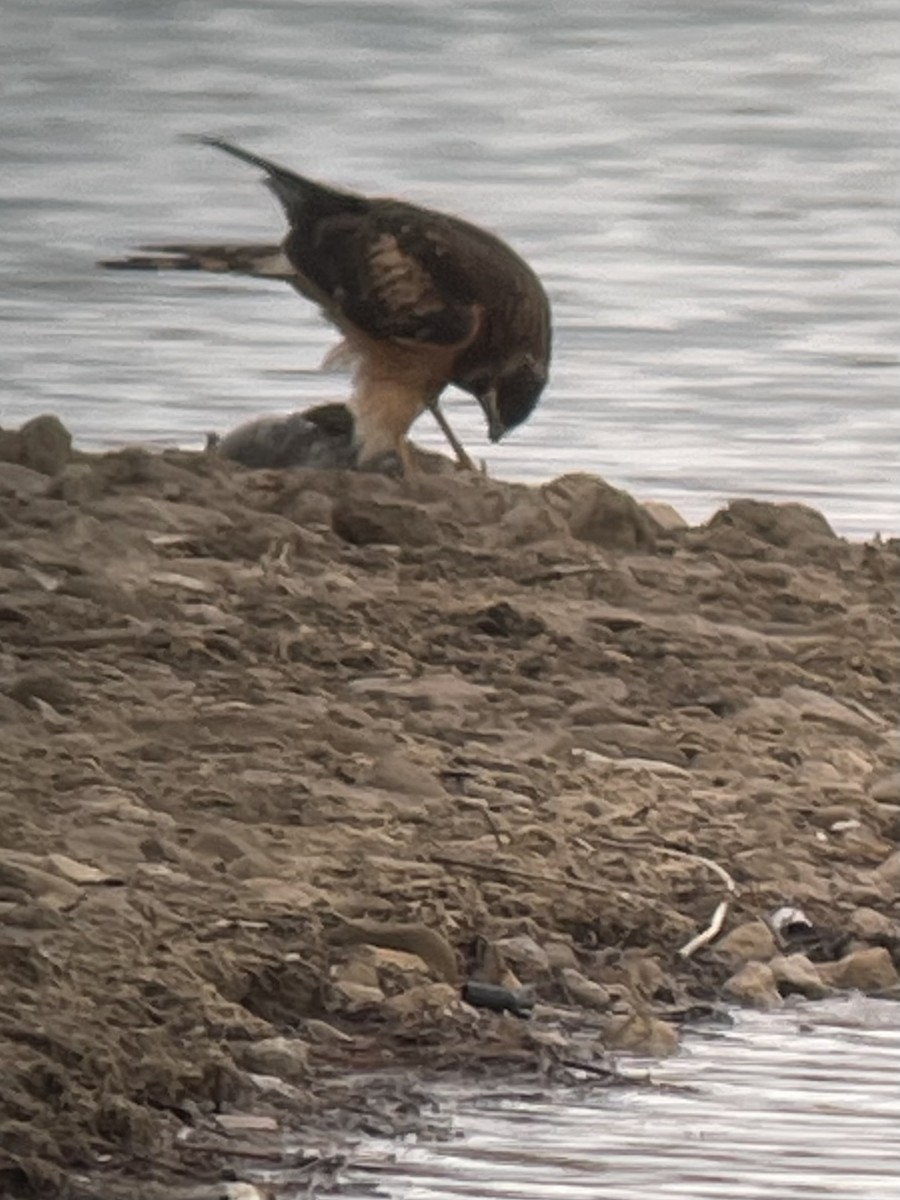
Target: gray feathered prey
422	299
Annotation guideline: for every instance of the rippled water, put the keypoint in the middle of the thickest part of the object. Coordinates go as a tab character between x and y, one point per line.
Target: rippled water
778	1108
708	187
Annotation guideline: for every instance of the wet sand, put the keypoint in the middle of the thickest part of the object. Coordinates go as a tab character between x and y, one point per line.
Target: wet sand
289	756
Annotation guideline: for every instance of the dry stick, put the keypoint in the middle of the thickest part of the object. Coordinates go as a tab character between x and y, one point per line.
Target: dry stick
709	933
531	876
702	938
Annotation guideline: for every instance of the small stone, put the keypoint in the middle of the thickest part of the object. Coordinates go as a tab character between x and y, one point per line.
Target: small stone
886	788
45	686
359	968
288	1058
585	992
44	444
76	483
19	875
428	1000
640	1034
77	872
235	1190
795	974
663	513
560	956
871	926
528	959
889	870
321	1031
817	707
16	480
750	942
754	984
399	962
599	513
351	997
868	970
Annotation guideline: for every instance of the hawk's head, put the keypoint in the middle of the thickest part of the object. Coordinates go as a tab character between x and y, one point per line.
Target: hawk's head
509	395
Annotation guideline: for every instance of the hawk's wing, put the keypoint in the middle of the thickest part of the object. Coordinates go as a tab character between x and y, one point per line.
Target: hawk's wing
393	271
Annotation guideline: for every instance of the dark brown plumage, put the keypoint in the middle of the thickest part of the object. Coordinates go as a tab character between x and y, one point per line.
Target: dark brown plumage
422	299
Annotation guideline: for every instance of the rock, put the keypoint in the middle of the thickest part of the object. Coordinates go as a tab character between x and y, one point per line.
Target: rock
350	997
561	956
358	968
428	1001
47	686
783	525
399	970
583	991
42	444
16	480
77	483
794	973
889	870
663	513
871	926
367	521
427	693
397	772
288	1058
77	872
598	513
868	970
527	958
321	1031
815	706
640	1034
754	984
750	942
886	788
25	881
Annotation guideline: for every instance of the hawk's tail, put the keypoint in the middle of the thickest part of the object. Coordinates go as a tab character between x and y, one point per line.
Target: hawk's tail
262	262
293	191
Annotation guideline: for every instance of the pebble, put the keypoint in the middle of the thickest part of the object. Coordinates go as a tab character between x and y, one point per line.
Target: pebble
585	992
752	941
870	925
868	970
754	984
288	1058
794	973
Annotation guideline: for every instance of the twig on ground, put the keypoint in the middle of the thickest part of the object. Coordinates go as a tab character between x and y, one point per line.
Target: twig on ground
711	932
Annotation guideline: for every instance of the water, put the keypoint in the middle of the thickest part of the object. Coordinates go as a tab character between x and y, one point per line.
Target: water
781	1107
708	188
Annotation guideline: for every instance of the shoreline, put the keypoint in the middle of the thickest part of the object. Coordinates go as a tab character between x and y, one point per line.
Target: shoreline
290	756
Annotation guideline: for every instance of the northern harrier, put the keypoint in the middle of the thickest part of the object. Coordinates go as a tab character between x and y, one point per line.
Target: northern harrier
422	300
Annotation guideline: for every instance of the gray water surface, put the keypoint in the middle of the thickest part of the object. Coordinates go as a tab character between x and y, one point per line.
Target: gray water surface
709	189
781	1107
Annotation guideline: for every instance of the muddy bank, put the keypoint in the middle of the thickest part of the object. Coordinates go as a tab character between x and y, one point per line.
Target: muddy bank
288	757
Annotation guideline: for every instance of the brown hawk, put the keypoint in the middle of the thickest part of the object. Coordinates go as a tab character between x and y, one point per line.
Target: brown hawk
421	298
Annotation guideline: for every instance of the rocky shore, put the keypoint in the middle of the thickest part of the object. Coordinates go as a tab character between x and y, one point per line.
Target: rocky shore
293	761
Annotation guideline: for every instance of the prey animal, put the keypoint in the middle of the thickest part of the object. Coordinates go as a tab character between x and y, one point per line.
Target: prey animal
422	300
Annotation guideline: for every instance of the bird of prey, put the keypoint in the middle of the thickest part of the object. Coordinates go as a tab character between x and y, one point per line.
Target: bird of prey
422	300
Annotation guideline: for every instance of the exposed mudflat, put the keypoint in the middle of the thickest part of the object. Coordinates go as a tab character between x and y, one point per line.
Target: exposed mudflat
294	754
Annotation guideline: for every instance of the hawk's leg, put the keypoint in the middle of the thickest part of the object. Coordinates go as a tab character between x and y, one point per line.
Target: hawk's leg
462	457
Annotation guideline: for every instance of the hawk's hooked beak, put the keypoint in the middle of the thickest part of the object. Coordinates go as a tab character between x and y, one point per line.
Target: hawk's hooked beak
496	427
